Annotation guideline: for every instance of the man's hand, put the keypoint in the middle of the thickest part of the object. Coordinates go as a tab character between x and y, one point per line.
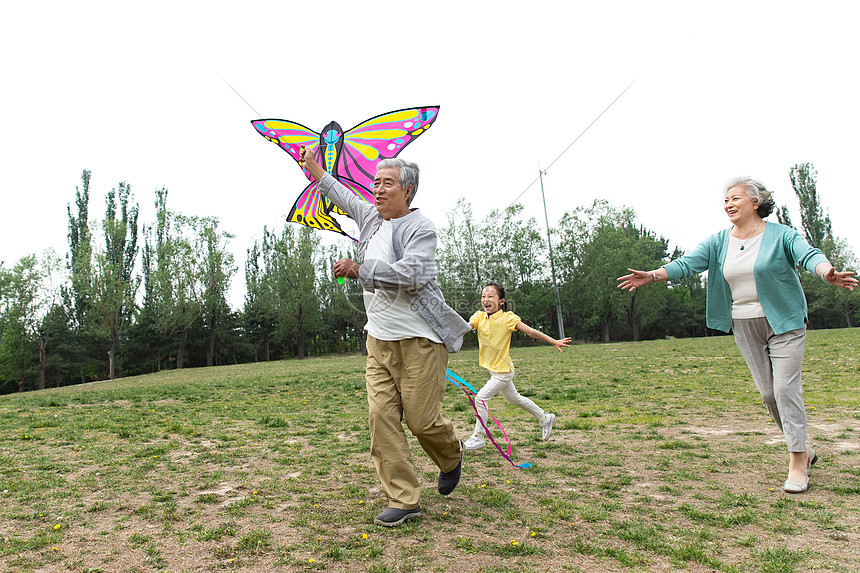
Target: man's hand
306	156
346	268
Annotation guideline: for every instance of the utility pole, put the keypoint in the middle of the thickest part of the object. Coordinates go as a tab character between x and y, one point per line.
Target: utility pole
551	260
540	176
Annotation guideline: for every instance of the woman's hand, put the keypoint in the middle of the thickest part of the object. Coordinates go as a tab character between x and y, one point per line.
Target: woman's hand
841	279
635	279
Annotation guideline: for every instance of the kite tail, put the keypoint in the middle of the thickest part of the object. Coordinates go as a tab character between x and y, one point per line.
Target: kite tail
460	383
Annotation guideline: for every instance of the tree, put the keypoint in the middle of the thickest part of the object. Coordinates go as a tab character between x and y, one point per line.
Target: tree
502	248
284	300
78	293
684	313
513	250
831	307
114	286
783	217
15	357
342	305
29	290
828	307
584	268
516	256
80	254
598	244
816	225
180	279
460	254
62	360
296	286
260	312
48	306
147	334
218	269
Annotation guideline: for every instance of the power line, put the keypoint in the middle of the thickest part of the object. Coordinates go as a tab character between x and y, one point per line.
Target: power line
535	180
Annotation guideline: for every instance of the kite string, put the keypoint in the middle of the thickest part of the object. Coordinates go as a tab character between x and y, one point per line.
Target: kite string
460	383
240	97
504	454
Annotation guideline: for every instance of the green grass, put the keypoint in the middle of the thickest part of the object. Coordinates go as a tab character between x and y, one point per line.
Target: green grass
663	458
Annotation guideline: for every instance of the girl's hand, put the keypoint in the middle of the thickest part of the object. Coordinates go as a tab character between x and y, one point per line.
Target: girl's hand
634	280
563	343
843	279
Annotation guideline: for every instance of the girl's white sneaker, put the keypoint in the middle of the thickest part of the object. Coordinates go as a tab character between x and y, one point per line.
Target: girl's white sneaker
546	427
474	443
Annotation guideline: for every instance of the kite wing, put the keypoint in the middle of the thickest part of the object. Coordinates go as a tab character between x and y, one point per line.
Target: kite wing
378	138
311	208
291	137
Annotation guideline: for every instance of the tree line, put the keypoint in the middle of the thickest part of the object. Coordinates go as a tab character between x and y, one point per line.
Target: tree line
129	298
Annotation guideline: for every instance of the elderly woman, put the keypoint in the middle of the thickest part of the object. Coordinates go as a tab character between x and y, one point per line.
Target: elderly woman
754	291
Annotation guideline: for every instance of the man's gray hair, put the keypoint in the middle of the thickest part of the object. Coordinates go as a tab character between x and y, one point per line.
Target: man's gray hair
408	174
756	190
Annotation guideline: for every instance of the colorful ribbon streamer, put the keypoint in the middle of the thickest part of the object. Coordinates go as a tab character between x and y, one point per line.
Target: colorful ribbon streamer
463	385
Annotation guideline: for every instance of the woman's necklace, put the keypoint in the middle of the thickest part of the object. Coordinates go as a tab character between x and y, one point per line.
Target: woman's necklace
750	235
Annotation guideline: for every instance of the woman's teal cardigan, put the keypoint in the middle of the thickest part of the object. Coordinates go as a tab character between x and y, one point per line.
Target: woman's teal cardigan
776	281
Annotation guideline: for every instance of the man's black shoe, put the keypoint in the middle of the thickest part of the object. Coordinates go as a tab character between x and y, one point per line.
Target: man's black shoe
393	516
449	480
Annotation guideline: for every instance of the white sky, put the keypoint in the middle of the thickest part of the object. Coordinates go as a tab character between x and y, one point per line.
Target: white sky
136	94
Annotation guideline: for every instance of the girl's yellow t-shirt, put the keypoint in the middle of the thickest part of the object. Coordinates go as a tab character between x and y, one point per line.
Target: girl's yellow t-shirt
494	339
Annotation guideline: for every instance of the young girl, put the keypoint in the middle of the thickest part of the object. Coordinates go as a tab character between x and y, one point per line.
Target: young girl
495	325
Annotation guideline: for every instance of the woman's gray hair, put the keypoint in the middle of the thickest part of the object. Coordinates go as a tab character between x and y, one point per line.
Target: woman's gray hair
408	174
756	190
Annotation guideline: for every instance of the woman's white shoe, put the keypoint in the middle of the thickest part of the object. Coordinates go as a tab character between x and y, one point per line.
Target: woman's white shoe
792	486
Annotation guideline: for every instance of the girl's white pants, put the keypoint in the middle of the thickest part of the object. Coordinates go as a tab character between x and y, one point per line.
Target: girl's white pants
502	382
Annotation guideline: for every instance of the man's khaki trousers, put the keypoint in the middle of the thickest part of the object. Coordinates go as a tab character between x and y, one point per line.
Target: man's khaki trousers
406	380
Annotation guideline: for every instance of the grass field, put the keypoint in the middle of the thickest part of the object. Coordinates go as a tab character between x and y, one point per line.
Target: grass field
663	459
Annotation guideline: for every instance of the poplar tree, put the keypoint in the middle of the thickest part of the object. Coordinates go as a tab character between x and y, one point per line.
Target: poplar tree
149	336
218	269
80	254
816	224
260	314
114	285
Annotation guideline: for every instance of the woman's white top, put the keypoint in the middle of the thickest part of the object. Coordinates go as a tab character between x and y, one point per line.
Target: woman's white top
738	272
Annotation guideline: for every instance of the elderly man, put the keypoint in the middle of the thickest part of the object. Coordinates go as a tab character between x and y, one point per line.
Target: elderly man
410	331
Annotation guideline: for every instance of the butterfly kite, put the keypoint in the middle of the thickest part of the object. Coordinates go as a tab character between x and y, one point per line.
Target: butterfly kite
349	156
